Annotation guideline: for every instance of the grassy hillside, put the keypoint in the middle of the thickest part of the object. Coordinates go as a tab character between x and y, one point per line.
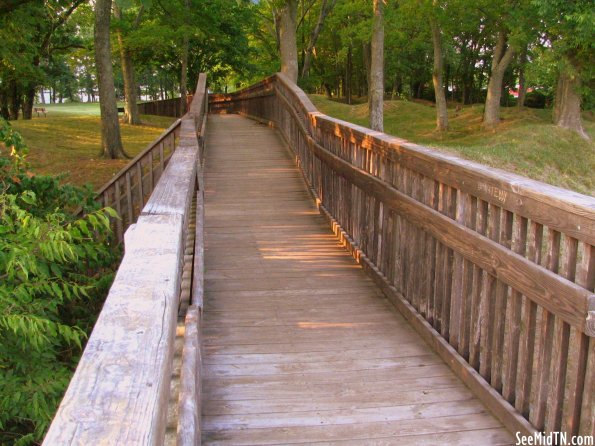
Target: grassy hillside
68	141
526	142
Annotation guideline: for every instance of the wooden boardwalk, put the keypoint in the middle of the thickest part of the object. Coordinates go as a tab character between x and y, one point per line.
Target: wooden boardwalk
299	345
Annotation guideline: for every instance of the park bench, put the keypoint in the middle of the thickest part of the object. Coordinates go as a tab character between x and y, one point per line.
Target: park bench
39	110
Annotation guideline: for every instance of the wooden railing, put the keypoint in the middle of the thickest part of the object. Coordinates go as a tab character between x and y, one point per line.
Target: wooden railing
164	107
120	390
494	270
128	191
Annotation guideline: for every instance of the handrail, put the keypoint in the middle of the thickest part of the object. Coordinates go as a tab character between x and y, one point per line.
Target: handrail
496	271
129	189
120	389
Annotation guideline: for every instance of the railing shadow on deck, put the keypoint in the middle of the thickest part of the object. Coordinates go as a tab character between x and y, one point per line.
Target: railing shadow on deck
494	270
120	390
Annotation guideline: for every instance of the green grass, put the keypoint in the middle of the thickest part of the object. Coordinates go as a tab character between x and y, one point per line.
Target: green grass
525	142
74	108
68	141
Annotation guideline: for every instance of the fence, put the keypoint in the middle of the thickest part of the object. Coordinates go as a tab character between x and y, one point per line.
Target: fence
164	107
120	390
128	191
494	270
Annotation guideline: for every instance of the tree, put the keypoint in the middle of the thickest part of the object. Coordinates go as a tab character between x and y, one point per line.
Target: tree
285	20
376	94
437	79
184	73
55	269
325	8
569	27
111	140
503	55
131	115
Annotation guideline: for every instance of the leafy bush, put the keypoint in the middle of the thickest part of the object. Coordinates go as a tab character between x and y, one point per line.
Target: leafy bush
55	269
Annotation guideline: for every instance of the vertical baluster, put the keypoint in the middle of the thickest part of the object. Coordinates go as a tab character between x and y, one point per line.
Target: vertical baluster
129	204
450	205
544	340
139	175
499	314
458	308
440	273
151	173
476	290
427	304
513	317
487	307
578	411
528	328
119	223
558	367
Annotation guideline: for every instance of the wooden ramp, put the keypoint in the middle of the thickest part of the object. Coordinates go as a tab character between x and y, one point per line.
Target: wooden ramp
299	345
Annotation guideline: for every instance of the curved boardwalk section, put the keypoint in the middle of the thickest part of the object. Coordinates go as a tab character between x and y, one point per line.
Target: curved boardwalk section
299	345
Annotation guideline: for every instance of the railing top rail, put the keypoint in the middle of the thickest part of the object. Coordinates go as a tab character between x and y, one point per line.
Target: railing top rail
141	155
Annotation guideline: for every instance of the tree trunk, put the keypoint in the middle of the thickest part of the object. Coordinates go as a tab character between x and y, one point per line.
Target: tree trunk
348	75
29	102
325	9
522	84
14	101
376	96
567	106
4	113
131	115
287	39
441	111
501	59
366	53
110	127
184	73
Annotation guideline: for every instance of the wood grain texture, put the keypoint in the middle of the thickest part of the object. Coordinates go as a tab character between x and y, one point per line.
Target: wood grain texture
299	345
494	270
190	381
571	302
121	385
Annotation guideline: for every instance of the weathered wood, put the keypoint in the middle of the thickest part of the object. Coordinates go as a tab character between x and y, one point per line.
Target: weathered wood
120	389
121	384
199	260
569	301
501	409
170	195
141	155
189	417
534	317
294	333
561	209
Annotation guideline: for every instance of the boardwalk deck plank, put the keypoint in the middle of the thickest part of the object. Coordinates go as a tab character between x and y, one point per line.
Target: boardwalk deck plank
299	344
